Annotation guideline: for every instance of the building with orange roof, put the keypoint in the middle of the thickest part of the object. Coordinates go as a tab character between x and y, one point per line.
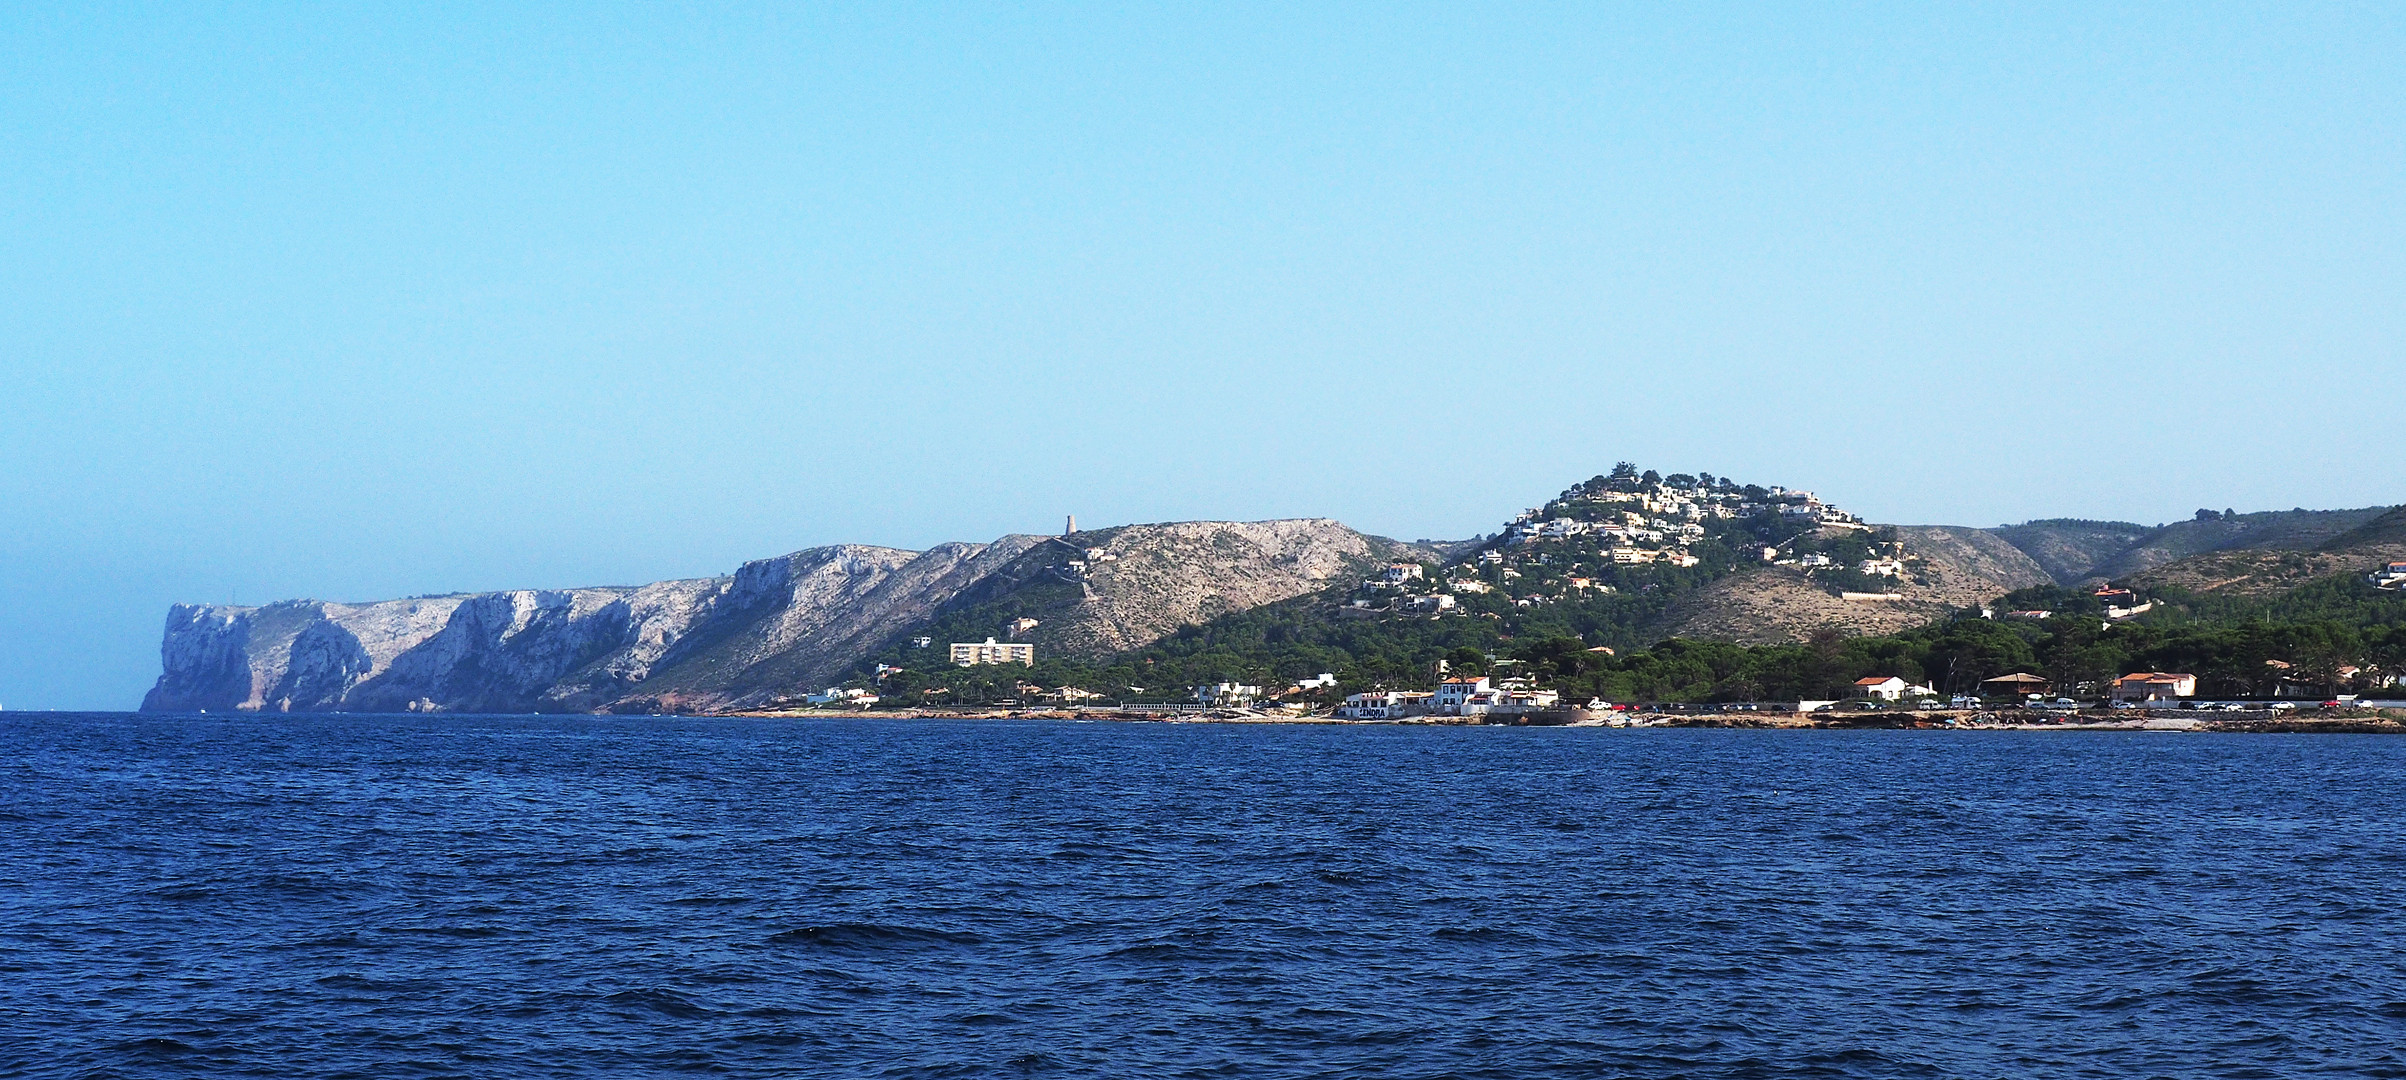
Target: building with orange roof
2146	686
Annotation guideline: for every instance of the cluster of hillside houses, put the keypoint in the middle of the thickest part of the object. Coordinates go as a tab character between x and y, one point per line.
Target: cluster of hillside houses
1657	523
1626	522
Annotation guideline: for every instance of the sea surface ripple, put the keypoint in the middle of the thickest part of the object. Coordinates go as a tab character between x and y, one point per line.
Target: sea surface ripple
380	896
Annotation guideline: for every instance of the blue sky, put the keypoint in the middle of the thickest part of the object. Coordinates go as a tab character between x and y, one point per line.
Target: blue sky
413	299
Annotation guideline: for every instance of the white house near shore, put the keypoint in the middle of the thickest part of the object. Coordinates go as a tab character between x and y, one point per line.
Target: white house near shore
1382	705
1226	694
1890	688
1452	694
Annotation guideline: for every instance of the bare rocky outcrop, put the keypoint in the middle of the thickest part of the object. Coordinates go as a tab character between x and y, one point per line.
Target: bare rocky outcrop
790	624
772	629
1155	579
1964	567
803	614
1104	591
1774	605
487	652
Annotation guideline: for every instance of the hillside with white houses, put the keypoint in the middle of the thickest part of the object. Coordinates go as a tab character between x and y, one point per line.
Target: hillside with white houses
1629	542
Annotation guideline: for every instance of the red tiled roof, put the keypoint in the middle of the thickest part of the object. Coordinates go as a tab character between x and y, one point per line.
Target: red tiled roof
2152	677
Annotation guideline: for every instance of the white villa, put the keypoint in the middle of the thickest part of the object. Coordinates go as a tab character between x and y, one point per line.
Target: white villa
972	654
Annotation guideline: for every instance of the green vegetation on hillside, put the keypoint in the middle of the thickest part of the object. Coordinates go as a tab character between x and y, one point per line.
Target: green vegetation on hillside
1567	592
2318	633
1599	563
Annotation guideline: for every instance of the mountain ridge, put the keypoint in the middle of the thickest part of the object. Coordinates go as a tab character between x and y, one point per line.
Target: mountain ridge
2074	550
1645	557
772	629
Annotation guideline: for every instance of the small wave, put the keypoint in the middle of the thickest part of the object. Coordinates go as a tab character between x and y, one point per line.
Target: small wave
345	940
664	1002
985	1019
1853	1057
154	1045
774	1038
1478	933
1156	950
710	901
352	982
872	936
298	885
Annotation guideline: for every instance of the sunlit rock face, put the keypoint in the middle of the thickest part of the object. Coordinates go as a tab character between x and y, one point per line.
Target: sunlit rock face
770	630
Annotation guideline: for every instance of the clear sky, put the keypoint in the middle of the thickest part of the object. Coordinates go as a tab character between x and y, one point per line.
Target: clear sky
411	299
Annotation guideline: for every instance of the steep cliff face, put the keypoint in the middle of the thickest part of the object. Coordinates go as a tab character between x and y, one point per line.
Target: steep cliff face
489	652
789	624
769	631
764	630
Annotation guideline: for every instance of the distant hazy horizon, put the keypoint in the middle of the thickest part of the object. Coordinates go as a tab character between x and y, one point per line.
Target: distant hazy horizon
353	304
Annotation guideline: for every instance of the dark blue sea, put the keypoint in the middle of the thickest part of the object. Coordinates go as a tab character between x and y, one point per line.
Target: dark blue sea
377	896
